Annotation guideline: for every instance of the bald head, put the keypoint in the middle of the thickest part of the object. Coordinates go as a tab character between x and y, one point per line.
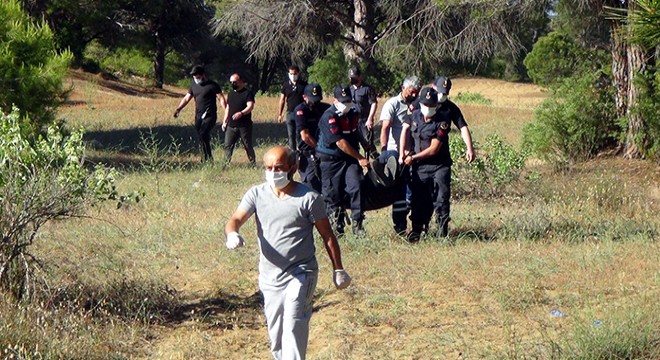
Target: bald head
280	158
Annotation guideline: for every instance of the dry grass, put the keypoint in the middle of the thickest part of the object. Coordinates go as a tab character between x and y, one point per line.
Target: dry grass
582	242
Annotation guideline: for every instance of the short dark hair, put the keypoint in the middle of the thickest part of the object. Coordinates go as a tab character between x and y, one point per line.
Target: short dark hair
294	67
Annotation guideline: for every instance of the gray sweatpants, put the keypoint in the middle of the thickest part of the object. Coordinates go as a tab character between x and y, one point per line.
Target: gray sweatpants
288	309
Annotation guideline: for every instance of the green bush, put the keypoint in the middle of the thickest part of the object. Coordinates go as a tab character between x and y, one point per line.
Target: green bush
332	70
123	62
556	56
32	70
126	63
574	123
42	178
470	97
329	71
497	166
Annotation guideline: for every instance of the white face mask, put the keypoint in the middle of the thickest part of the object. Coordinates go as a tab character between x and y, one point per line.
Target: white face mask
442	98
427	111
198	80
293	78
277	179
343	108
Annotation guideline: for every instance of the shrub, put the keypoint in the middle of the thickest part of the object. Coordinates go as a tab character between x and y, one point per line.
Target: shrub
332	70
470	97
574	123
556	56
32	71
42	178
329	71
497	166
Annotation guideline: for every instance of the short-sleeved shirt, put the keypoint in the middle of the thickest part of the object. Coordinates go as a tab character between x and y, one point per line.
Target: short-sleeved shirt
205	97
333	127
398	112
293	93
363	96
308	119
237	101
285	229
446	114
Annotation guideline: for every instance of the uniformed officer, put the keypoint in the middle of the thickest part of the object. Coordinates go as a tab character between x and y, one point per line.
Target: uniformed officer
431	163
292	91
442	85
366	103
307	118
341	161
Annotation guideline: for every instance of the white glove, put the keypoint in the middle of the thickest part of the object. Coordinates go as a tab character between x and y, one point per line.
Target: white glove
234	240
341	279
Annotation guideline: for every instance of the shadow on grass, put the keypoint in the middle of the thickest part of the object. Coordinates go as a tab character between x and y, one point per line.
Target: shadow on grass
472	233
123	148
227	311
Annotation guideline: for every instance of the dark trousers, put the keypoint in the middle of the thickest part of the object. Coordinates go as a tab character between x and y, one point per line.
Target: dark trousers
341	178
310	170
243	133
291	129
204	128
366	134
430	185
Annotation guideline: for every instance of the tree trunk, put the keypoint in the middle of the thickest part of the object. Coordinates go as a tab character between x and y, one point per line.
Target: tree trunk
635	131
361	48
263	78
159	61
619	70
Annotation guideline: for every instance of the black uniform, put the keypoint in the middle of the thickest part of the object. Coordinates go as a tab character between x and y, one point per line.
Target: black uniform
206	112
293	94
308	165
239	129
431	177
341	174
363	97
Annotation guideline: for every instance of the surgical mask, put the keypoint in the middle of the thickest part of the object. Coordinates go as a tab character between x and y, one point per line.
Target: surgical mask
293	78
277	179
343	108
234	85
442	98
198	80
427	111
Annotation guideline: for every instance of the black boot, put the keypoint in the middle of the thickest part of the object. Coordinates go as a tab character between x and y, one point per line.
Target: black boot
415	234
443	228
358	228
337	222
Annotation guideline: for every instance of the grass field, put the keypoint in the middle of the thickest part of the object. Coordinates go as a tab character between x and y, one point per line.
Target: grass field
566	266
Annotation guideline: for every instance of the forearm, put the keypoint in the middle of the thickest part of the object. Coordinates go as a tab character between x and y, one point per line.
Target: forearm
344	146
248	108
467	137
183	103
384	132
307	139
334	252
372	111
233	225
